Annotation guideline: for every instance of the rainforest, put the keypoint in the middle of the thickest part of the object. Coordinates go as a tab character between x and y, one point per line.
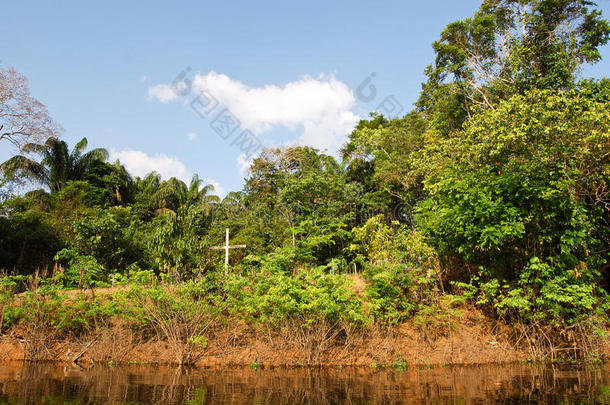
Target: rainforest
475	228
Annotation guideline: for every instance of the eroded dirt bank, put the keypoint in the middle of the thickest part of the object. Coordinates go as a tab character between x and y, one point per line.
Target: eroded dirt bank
472	341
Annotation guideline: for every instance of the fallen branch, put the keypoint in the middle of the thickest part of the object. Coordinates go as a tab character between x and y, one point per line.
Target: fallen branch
82	352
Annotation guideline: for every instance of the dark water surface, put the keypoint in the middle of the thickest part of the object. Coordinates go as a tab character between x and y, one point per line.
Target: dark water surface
44	383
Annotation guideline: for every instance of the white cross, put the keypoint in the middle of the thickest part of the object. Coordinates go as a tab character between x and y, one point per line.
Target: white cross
226	248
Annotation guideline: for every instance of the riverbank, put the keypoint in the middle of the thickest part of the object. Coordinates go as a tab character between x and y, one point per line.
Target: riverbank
472	339
470	343
329	320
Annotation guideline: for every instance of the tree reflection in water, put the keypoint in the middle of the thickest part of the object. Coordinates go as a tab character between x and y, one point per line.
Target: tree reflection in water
34	383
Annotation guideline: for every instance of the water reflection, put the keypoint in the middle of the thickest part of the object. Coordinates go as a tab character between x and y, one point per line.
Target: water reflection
53	384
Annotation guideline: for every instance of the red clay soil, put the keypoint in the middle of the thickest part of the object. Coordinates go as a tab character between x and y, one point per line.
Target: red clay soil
470	342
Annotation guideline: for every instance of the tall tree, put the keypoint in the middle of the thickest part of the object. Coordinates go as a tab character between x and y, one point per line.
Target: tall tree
506	48
389	145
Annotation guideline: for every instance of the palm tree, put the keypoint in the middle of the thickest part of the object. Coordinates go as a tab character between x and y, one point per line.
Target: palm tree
172	194
57	164
149	184
121	179
199	194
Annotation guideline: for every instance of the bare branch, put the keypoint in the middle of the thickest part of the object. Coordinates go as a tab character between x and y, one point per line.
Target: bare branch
22	118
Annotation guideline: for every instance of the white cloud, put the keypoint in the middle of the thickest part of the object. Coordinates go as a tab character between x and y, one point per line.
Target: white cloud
143	79
140	164
191	136
243	164
218	188
162	93
318	110
321	107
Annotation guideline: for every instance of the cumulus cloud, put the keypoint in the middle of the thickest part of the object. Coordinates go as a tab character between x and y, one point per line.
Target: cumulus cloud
321	106
140	164
162	93
318	110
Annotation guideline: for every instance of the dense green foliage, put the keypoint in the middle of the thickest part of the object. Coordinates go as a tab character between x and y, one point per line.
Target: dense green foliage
521	197
496	188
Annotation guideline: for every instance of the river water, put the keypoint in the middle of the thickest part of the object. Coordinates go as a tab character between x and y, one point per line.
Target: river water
51	383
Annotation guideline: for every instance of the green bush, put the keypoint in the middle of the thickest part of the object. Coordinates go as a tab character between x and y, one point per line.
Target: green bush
390	292
81	271
142	277
309	294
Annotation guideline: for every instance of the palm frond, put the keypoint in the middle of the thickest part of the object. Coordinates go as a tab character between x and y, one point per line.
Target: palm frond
26	167
194	186
51	142
165	211
79	148
56	159
83	163
211	199
208	188
97	154
150	184
34	148
122	172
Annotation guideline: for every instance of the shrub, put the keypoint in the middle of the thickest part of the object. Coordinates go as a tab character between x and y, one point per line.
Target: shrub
309	294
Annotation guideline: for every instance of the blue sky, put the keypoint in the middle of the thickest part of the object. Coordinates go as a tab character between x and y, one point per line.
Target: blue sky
288	71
